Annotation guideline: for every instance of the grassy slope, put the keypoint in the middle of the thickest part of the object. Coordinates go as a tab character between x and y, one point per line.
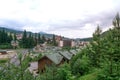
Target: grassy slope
91	76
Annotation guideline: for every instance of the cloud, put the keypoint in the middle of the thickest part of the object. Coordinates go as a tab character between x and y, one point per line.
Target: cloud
70	18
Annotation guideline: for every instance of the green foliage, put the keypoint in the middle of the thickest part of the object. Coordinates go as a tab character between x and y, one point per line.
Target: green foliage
27	40
54	41
5	39
67	48
3	61
95	48
111	53
5	46
106	75
64	72
81	66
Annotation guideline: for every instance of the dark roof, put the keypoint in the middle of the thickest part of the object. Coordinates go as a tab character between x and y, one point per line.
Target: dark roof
55	57
66	54
74	52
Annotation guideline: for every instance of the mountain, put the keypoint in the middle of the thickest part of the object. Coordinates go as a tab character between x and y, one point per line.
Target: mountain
10	30
84	39
20	32
46	34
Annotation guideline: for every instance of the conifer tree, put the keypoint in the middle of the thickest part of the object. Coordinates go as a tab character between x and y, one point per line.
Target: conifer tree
96	47
54	41
112	45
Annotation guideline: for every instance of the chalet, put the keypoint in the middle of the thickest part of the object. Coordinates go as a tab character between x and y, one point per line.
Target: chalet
48	60
66	55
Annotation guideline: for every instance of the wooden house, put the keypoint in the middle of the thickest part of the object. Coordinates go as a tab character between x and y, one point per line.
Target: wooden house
48	60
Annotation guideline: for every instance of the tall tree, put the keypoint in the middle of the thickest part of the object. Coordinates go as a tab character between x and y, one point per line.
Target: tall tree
15	38
112	45
24	39
39	38
96	47
54	41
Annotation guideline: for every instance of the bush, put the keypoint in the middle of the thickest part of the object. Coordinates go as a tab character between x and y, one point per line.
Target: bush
81	66
106	75
5	46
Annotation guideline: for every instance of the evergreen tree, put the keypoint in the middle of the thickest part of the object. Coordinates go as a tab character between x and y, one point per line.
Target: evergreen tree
24	39
95	51
112	45
36	39
39	39
43	39
31	42
54	40
15	38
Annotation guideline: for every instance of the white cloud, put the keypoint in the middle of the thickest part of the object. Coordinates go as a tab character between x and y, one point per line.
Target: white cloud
56	15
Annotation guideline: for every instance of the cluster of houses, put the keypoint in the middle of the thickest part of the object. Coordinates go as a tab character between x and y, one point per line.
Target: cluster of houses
62	42
57	58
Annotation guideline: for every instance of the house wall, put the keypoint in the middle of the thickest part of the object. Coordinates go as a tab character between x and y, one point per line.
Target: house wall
43	62
60	43
67	43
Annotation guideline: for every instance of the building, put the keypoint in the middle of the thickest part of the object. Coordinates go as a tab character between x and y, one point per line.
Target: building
3	52
58	38
74	52
49	60
66	43
66	55
19	36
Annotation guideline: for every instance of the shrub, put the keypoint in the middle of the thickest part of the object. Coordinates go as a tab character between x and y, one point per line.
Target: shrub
81	66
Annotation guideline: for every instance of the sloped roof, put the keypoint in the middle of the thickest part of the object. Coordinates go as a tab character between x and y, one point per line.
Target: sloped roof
66	54
73	52
78	50
55	57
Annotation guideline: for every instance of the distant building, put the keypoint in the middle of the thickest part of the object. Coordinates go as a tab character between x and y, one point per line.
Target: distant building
58	38
66	43
19	36
3	52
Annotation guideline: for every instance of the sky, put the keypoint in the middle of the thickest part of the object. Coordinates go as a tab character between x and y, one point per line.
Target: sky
69	18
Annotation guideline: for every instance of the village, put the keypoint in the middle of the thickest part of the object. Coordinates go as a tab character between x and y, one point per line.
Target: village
43	55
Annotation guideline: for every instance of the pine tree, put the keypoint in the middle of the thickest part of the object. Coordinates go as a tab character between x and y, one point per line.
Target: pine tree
54	41
24	39
15	38
39	38
96	47
36	39
112	45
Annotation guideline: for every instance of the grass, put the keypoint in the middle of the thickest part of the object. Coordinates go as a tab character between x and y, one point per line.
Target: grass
90	76
3	61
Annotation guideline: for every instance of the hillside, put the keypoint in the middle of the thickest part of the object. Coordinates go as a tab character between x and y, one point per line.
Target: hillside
19	32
